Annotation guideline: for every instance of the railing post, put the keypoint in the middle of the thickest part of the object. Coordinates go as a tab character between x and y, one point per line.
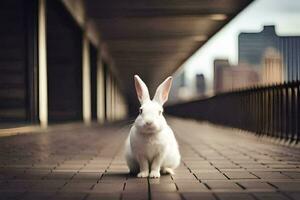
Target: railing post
293	112
271	110
298	112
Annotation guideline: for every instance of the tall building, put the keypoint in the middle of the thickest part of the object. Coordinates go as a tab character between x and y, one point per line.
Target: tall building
228	77
200	84
185	89
219	67
272	67
252	48
179	82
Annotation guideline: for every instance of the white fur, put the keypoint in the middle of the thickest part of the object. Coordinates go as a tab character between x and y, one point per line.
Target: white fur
152	148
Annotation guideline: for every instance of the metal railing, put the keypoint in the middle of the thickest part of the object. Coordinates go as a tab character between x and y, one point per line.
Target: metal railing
265	110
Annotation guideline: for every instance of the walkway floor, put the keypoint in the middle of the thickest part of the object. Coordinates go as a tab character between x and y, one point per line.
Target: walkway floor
87	163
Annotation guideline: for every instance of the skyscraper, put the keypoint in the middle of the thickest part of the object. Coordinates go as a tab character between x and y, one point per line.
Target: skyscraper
228	77
252	48
219	67
200	84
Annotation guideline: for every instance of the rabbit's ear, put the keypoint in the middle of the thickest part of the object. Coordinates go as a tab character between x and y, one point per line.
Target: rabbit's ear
162	92
141	89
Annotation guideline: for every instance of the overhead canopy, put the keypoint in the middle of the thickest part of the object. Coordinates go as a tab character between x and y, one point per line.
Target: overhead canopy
153	38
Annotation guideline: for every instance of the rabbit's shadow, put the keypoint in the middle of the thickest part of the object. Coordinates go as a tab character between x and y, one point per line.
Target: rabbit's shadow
121	175
126	175
116	174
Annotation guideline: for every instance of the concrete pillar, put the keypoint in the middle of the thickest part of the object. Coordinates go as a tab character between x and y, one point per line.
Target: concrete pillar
117	114
113	103
100	92
42	52
86	81
108	96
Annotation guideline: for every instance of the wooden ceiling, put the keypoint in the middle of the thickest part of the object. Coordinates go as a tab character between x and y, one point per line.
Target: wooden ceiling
153	38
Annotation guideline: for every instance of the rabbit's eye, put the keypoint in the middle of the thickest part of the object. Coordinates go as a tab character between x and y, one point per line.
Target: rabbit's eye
141	111
159	112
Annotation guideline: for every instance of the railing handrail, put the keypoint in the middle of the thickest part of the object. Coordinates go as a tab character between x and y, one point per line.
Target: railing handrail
272	110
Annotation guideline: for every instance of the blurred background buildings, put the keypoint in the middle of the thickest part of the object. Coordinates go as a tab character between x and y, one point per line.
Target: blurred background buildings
264	38
263	58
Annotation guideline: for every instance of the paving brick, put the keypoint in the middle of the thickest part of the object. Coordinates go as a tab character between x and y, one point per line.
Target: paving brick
36	195
282	166
184	175
48	185
270	175
199	166
235	196
226	167
162	179
108	187
34	174
132	187
135	195
211	169
134	180
17	186
87	176
11	174
287	186
163	187
253	166
270	196
114	177
93	170
79	186
292	174
104	196
5	195
198	195
240	175
210	176
60	175
223	185
256	185
68	196
191	187
166	196
225	164
294	195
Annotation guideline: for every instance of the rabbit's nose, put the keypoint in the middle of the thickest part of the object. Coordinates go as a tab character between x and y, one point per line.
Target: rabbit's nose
148	123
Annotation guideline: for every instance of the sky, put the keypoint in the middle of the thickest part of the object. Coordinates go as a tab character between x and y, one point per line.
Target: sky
284	14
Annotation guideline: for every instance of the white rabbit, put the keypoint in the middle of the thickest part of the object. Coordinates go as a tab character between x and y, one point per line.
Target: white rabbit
151	145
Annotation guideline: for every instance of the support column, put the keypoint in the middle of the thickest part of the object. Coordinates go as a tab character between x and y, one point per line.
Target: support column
42	51
100	92
117	114
86	81
108	96
113	104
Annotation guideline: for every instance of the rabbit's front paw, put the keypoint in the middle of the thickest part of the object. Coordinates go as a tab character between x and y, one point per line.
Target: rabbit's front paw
154	174
143	174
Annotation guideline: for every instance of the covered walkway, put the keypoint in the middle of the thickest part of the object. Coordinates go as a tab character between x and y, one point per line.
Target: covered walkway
80	162
66	79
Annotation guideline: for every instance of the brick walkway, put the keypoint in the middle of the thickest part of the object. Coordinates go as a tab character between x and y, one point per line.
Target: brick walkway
87	163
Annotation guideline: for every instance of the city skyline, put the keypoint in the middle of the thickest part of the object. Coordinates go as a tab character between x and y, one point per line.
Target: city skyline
284	15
